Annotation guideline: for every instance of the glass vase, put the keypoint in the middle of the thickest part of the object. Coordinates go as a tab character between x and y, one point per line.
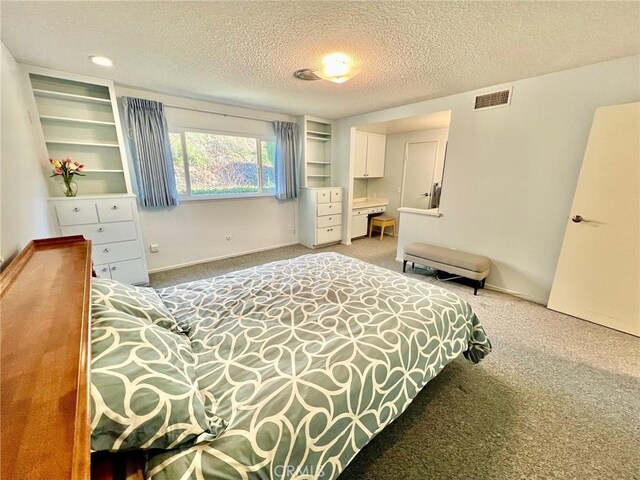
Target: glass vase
70	188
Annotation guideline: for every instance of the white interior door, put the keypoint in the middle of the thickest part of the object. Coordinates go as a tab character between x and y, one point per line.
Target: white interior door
417	181
598	272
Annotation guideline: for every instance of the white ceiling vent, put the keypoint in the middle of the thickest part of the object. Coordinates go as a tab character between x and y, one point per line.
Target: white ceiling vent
493	100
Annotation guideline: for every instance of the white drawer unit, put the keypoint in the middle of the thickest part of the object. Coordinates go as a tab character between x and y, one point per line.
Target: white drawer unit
329	209
76	213
111	223
114	211
320	216
116	252
100	233
329	221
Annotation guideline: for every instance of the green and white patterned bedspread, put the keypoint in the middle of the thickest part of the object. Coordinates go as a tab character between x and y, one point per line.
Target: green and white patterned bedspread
307	360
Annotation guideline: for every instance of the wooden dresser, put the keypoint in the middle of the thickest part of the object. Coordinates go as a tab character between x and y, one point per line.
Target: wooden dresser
45	410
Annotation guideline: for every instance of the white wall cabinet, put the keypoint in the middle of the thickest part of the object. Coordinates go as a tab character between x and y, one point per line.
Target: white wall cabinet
315	159
320	216
111	223
369	155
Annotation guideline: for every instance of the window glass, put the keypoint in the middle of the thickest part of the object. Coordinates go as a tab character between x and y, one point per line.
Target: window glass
178	162
222	164
268	155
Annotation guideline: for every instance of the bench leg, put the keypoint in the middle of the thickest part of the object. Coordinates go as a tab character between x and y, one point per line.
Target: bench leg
480	284
404	266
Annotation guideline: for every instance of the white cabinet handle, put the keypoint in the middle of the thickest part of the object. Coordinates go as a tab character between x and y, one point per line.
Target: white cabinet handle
115	207
113	268
101	229
105	269
106	250
76	209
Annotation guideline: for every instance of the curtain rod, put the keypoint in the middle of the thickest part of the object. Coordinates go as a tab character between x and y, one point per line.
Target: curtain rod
193	109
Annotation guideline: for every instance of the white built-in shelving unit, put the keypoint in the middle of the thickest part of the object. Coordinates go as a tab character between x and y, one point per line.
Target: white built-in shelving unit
315	162
79	119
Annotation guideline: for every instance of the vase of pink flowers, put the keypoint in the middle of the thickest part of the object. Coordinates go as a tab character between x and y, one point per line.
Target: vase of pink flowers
67	169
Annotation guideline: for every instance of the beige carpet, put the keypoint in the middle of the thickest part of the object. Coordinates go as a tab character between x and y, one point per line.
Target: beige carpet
558	398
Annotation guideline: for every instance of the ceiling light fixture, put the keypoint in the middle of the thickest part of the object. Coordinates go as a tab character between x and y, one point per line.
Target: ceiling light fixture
102	61
336	67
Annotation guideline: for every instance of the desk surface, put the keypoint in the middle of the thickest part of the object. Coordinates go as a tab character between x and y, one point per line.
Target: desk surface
369	202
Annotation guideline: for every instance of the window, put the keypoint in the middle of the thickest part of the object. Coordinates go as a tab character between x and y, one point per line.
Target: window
209	164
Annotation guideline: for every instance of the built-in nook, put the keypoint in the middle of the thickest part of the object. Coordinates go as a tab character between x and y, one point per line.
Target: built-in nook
412	154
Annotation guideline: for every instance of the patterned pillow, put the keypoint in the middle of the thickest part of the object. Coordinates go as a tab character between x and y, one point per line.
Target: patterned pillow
144	393
140	302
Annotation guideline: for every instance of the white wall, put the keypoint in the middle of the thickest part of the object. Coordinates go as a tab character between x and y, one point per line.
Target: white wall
196	231
23	190
390	185
511	172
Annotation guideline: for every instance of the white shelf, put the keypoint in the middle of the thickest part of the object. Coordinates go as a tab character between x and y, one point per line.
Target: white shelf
89	144
69	96
320	163
319	139
95	170
319	176
314	132
75	120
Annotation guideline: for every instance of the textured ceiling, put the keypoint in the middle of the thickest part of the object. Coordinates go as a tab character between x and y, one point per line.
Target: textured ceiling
245	53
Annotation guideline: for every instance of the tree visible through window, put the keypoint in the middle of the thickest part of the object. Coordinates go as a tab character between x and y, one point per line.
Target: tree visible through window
221	165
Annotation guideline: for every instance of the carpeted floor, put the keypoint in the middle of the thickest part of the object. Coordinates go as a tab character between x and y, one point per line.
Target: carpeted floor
558	398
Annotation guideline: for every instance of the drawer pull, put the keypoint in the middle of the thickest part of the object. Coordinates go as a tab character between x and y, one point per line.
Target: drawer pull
101	229
76	209
105	269
113	268
106	250
115	207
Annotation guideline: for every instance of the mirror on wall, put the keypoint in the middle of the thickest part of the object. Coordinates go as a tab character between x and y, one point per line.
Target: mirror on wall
415	154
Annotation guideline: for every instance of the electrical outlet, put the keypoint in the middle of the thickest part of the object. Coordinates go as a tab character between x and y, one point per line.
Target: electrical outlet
229	238
154	248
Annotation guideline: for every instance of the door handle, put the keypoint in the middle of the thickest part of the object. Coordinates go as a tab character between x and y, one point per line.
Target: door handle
425	195
578	219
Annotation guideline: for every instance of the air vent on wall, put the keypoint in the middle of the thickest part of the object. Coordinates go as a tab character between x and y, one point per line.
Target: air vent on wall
492	100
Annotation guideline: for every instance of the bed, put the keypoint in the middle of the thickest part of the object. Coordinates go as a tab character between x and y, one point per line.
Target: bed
285	370
300	363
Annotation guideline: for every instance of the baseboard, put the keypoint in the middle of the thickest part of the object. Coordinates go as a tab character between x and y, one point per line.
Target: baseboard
221	257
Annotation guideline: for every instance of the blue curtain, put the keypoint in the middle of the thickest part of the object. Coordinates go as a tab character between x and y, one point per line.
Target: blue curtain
286	160
151	152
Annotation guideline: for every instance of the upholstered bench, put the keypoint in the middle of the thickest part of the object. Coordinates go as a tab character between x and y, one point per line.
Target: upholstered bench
463	264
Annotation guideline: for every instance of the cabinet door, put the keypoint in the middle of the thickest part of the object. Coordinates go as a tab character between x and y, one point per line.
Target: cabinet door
102	271
130	271
360	169
336	195
376	145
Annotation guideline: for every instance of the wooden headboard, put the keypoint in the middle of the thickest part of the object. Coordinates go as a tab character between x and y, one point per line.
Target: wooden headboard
45	309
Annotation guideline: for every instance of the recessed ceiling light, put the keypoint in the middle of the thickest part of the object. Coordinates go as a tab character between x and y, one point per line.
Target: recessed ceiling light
102	61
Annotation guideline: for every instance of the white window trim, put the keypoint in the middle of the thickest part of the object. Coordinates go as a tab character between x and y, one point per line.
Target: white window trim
236	196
